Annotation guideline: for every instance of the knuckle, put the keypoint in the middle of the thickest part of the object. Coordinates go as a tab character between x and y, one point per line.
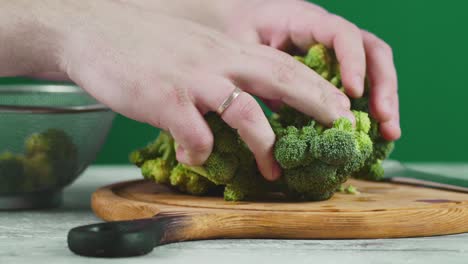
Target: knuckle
179	95
284	68
249	109
381	45
201	143
135	90
213	42
345	27
325	99
155	120
354	29
340	21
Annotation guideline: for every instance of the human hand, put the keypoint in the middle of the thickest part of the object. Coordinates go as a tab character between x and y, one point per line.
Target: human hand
168	72
284	24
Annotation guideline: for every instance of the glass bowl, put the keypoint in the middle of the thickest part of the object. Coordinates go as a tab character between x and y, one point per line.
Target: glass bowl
48	135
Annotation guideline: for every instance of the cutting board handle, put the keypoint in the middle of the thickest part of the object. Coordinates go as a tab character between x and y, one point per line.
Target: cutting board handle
118	238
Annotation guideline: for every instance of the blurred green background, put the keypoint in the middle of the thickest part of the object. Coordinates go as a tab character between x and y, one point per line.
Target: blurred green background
430	47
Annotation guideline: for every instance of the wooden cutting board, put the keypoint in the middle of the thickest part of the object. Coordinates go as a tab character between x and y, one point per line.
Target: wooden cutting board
381	210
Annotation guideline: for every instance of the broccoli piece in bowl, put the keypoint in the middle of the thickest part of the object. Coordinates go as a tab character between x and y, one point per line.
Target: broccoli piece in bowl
50	160
12	177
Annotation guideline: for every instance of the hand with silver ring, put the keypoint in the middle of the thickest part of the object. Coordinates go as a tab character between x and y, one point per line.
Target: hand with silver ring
157	68
226	103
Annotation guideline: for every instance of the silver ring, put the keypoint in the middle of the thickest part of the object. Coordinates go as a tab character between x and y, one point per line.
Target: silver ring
228	101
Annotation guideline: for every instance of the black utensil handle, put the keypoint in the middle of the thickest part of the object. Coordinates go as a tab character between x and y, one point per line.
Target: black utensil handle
127	238
116	239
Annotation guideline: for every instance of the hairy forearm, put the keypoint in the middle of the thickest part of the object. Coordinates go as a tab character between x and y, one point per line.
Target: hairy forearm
212	13
29	41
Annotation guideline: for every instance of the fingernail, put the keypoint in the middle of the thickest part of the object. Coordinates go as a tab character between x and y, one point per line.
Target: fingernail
386	108
358	84
181	155
396	125
348	114
343	100
387	104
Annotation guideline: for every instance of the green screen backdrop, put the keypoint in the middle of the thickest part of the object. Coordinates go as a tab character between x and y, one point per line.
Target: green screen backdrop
430	44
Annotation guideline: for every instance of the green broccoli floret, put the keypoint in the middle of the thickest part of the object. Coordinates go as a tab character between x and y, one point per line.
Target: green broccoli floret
55	149
221	168
156	169
12	176
222	164
315	182
293	147
157	159
247	183
334	153
372	169
51	160
162	147
335	146
40	168
318	58
315	159
54	143
188	181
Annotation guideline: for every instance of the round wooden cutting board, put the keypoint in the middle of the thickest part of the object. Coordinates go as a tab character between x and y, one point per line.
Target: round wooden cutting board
381	210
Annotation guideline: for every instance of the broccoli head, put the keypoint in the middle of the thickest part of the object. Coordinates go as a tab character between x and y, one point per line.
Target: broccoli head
315	159
52	148
55	143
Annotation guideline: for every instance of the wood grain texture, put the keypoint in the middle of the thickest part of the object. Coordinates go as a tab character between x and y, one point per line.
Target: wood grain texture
381	210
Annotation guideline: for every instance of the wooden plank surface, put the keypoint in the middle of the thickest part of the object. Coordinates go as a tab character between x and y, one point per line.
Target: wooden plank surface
40	236
381	210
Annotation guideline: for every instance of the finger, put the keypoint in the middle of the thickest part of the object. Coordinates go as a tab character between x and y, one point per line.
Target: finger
275	75
390	130
244	34
383	83
136	99
189	129
246	116
311	27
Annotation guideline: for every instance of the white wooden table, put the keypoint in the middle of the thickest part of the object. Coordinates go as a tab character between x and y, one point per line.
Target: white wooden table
40	236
